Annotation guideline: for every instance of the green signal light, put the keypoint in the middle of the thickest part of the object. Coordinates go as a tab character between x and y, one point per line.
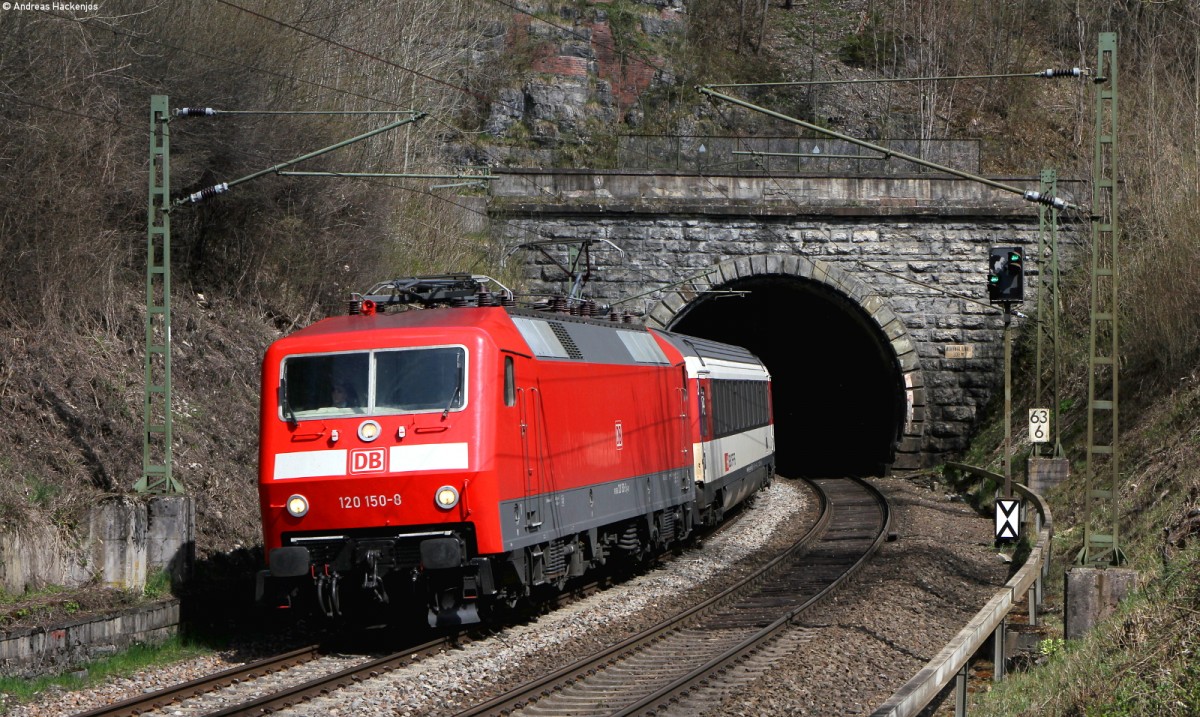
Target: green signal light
1013	257
994	279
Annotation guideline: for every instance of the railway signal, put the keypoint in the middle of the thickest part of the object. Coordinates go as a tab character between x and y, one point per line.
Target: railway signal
1006	275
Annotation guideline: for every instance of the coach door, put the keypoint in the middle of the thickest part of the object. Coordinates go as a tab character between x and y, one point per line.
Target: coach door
708	446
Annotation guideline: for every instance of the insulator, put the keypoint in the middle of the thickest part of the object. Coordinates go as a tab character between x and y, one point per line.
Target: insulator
614	316
576	310
507	300
195	112
1073	72
208	192
627	318
591	308
459	302
559	305
1050	201
355	307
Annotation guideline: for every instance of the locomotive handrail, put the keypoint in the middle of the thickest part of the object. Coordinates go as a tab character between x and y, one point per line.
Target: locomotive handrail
929	681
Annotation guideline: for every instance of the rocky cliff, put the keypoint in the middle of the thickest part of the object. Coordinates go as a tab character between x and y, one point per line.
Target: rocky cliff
579	70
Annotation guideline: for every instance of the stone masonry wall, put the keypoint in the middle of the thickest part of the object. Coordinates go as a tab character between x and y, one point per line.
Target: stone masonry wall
924	262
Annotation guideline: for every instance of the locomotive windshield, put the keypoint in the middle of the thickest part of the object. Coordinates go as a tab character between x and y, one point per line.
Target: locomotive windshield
384	381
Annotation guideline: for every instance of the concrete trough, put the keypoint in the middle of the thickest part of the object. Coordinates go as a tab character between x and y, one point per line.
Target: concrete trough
29	652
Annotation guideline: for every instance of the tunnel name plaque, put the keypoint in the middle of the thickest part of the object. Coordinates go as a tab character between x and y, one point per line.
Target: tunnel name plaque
960	351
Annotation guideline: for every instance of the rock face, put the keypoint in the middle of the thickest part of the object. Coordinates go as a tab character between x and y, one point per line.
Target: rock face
588	68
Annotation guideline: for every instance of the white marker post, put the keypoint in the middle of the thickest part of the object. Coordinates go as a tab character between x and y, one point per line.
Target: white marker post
1008	520
1039	425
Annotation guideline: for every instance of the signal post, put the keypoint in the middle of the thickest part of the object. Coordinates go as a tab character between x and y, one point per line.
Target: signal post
1006	286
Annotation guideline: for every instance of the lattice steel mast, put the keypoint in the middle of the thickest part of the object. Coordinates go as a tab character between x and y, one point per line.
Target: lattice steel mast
1101	543
1048	367
156	408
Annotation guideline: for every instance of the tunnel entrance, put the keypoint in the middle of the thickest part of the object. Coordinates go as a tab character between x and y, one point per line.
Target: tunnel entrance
837	389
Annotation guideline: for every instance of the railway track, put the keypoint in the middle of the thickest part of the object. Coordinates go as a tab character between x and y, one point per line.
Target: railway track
671	664
250	672
304	689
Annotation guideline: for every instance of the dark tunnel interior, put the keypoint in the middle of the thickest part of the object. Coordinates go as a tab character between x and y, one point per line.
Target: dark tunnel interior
836	387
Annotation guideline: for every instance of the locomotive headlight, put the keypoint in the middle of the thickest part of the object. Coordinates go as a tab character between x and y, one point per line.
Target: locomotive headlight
368	431
297	505
446	497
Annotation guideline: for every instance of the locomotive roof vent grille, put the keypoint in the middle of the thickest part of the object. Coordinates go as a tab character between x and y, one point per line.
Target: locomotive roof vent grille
540	337
565	339
642	347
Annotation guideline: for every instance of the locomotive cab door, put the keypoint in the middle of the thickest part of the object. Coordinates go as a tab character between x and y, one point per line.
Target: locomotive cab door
684	417
532	438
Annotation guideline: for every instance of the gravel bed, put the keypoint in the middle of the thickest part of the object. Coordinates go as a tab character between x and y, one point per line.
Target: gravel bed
482	669
780	514
57	702
918	592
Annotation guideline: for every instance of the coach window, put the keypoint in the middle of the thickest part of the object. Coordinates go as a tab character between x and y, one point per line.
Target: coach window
510	383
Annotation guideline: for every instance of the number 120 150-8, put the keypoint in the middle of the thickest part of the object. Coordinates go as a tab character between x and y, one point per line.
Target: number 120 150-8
368	501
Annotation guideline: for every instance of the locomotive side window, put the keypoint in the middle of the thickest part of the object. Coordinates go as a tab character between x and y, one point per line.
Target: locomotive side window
326	385
510	383
420	379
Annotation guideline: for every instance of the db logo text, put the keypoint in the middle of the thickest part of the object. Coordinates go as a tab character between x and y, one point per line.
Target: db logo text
368	460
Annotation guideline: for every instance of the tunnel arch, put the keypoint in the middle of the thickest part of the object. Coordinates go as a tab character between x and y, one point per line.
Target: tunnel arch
847	381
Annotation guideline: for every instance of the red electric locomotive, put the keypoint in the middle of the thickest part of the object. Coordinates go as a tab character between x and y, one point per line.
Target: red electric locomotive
461	457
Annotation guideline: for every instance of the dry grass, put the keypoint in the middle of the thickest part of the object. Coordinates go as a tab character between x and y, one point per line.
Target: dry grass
1145	661
271	255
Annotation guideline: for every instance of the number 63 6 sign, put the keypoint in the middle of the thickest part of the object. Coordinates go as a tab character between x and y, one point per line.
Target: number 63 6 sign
1039	425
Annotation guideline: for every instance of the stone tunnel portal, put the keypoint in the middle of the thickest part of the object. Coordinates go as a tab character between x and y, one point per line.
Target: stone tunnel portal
837	390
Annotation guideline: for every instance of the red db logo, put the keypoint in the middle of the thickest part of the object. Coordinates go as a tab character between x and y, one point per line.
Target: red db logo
368	460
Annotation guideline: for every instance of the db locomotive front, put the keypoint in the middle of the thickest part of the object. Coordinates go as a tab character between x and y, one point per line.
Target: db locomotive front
439	461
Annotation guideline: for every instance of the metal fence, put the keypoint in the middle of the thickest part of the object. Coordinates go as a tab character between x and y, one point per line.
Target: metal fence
989	622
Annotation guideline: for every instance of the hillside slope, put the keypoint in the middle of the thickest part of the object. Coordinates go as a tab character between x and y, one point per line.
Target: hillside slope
262	261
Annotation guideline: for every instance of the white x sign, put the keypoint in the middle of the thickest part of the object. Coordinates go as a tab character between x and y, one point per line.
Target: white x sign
1008	519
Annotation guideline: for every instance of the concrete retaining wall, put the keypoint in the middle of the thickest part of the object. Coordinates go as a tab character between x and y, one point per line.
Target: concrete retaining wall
29	652
38	555
127	539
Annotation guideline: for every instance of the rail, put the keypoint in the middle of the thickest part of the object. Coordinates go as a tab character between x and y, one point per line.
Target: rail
675	656
952	661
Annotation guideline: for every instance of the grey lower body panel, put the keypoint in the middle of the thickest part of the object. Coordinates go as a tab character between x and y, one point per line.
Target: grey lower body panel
736	486
551	515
